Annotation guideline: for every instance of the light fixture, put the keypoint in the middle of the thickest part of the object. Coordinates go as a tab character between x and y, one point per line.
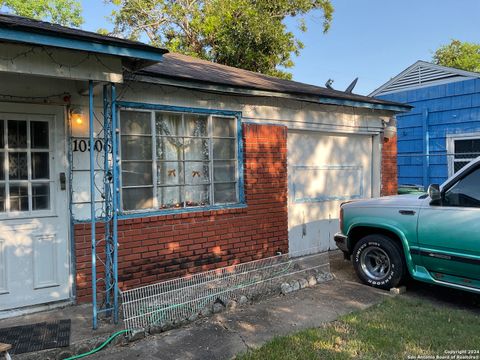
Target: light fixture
77	117
390	129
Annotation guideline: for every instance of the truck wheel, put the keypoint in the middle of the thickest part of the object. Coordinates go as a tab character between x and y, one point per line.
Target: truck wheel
378	261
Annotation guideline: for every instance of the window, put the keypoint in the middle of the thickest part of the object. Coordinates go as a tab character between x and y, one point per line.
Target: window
174	160
464	149
466	192
24	166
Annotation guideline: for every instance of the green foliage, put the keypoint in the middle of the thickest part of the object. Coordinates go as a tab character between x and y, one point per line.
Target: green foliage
398	328
248	34
460	55
63	12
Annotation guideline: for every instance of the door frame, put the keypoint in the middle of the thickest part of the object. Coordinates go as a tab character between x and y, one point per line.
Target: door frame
60	152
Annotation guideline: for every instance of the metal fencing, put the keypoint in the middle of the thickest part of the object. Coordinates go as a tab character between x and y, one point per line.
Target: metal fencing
182	298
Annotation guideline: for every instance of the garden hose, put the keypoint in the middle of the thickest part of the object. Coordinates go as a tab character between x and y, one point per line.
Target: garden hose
113	336
93	351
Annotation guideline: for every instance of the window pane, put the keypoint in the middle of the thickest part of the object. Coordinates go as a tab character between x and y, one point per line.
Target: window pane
17	134
18	168
135	123
196	125
465	192
2	166
197	195
170	197
18	197
224	170
168	124
40	196
468	146
224	149
39	134
169	173
2	134
225	193
136	147
196	149
224	127
2	198
137	198
137	173
197	172
169	148
40	168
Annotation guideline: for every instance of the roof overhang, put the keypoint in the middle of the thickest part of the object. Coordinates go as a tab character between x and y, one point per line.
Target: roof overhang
231	90
134	57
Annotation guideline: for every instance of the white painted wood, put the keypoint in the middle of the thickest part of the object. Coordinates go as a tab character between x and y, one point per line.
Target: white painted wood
324	170
35	251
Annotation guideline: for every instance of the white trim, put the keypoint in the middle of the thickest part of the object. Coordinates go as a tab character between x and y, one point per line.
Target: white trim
452	74
450	144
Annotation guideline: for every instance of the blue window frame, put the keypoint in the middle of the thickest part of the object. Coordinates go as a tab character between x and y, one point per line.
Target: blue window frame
176	159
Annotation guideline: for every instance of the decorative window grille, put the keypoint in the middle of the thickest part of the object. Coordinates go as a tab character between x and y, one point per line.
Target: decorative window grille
465	149
174	160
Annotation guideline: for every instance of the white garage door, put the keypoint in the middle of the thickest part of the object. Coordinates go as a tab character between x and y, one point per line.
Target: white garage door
324	170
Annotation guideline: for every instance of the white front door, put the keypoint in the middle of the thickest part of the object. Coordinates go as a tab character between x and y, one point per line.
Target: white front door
323	171
34	250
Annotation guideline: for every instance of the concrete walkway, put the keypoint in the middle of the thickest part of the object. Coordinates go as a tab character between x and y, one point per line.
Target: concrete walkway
227	334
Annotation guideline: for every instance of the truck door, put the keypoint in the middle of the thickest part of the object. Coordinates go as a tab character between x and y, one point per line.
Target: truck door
449	233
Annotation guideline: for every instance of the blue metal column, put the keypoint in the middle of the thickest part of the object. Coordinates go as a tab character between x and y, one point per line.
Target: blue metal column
107	197
426	149
92	201
116	198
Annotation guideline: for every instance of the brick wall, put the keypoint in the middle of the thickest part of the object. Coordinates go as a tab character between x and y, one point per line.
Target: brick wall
155	248
389	168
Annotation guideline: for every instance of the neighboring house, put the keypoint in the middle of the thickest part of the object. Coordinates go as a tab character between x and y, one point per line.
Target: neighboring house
206	165
442	132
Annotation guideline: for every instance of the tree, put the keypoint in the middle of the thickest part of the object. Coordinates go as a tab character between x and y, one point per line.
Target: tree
460	55
63	12
249	34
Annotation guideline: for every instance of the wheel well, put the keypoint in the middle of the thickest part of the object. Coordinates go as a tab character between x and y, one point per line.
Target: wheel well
360	232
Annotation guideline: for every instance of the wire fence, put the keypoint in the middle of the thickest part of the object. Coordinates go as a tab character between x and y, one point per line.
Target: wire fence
181	298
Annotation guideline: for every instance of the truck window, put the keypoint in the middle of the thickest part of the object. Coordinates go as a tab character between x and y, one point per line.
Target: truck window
466	192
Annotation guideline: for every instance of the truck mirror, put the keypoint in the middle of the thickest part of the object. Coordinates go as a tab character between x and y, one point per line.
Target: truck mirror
434	192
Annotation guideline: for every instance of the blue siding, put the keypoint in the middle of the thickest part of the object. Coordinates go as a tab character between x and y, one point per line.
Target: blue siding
439	110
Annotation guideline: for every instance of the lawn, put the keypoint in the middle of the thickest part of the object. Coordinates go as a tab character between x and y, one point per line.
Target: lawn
398	328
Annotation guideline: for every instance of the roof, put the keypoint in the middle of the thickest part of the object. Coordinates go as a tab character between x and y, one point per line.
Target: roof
187	68
423	74
24	30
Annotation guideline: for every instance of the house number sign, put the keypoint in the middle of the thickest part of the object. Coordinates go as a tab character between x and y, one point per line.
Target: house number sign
83	145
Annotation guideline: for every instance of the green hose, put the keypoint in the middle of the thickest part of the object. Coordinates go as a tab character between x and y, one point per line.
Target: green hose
113	336
93	351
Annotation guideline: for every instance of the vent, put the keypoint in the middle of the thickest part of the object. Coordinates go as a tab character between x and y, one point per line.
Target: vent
423	74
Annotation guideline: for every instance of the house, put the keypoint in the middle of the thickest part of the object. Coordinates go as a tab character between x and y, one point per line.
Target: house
125	165
442	132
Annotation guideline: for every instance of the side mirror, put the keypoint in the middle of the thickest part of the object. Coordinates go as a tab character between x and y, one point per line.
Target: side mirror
434	192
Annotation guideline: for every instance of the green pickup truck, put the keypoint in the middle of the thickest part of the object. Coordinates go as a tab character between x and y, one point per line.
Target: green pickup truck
434	237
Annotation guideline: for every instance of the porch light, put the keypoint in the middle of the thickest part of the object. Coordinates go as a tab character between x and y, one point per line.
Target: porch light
77	117
78	122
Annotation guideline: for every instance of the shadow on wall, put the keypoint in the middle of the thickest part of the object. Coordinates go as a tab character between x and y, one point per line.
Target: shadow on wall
156	248
324	170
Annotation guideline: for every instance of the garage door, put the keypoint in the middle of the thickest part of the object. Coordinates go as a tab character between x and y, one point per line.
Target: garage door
324	170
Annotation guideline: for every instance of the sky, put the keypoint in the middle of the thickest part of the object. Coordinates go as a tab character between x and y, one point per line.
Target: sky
373	40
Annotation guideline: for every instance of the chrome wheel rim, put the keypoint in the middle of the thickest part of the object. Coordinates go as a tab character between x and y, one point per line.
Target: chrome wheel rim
375	263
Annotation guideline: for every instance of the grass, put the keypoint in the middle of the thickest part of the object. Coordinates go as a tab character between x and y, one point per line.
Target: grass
398	328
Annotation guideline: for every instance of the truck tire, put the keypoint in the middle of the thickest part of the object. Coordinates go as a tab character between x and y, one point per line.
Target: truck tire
378	261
